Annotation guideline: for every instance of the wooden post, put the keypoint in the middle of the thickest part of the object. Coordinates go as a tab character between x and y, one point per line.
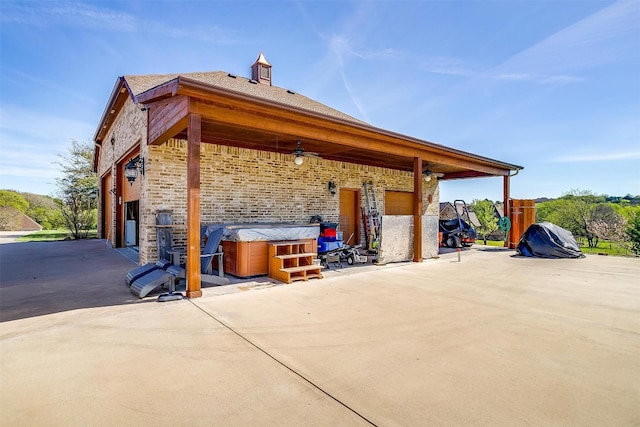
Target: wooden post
506	204
194	130
417	209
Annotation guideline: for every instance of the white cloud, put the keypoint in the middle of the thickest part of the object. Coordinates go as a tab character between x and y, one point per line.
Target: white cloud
91	17
600	38
456	67
598	157
36	126
67	13
31	144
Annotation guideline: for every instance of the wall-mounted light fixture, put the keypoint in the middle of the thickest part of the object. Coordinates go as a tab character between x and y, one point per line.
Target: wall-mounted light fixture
131	169
113	140
332	188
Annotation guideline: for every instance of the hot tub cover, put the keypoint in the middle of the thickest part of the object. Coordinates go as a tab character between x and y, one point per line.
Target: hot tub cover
253	232
547	240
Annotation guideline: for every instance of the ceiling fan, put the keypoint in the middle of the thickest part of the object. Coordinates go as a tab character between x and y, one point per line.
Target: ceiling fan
300	154
427	174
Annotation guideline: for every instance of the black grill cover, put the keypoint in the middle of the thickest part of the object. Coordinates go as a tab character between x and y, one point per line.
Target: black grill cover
547	240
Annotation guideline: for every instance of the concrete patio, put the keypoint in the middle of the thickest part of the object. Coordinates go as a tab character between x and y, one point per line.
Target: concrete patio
492	340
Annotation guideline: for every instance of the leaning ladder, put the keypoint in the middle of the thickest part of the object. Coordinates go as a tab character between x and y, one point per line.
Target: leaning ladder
371	216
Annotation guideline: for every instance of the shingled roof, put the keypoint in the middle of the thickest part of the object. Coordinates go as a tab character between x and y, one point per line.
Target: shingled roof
139	84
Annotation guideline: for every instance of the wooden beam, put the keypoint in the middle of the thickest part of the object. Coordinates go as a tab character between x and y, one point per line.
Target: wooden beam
506	202
231	108
166	119
193	206
316	128
165	90
417	209
469	174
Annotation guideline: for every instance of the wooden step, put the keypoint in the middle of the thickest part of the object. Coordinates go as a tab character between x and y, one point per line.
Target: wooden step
301	268
285	259
288	243
292	256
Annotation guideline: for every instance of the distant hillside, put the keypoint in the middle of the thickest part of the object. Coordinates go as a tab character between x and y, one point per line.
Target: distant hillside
631	200
44	211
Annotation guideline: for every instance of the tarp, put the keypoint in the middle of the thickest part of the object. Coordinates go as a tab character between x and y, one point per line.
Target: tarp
547	240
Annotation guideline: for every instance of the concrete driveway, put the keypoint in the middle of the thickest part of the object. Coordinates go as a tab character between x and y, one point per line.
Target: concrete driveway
491	340
11	236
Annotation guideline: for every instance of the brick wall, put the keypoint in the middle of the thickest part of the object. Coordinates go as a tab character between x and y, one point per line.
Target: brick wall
128	130
242	185
237	185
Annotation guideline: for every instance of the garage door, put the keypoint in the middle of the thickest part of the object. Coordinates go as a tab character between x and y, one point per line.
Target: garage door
398	203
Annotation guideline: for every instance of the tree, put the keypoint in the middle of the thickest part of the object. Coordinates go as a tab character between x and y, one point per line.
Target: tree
44	210
633	232
486	213
573	211
9	198
78	190
606	224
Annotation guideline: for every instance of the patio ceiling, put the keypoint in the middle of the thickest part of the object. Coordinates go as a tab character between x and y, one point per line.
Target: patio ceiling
236	119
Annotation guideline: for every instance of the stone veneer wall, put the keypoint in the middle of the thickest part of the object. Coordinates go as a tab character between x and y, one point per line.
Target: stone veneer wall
396	240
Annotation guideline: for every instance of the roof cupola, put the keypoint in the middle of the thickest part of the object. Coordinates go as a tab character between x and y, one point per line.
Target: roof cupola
261	70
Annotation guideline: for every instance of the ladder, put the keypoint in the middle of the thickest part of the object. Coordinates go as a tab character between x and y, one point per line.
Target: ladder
371	216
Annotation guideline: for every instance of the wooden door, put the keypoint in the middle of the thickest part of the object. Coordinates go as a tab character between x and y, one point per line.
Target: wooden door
350	215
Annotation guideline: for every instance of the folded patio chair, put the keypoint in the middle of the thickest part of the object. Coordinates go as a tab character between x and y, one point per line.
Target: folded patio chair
151	280
211	249
136	273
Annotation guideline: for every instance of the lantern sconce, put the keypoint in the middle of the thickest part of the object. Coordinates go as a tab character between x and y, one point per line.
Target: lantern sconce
131	169
332	188
113	140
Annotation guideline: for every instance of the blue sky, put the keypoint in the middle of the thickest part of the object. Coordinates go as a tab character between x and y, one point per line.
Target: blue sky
553	86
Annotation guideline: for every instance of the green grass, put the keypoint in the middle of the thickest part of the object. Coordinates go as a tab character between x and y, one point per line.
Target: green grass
499	243
605	248
52	236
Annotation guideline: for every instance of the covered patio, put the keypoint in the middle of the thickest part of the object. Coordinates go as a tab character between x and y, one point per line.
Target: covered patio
227	110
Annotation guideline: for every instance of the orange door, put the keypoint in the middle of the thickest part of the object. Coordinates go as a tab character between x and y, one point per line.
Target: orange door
398	203
350	215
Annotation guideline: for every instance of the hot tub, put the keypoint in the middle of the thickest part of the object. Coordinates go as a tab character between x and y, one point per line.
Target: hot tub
245	246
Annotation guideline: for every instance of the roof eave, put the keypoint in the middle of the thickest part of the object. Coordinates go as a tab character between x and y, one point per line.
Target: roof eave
102	126
187	86
162	91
